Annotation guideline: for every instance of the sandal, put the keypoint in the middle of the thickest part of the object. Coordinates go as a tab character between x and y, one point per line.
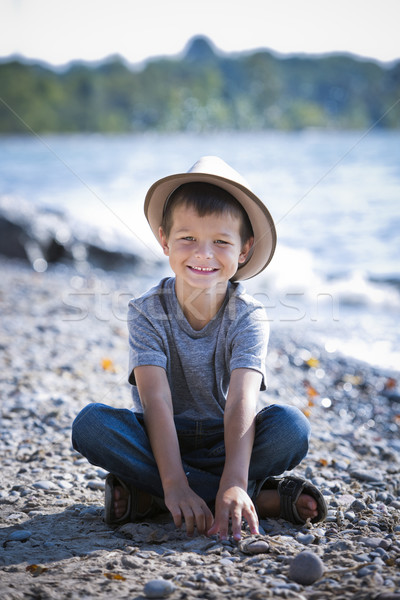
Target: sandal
134	498
289	490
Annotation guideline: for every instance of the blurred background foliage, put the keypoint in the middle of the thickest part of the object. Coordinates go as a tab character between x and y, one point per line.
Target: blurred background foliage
201	90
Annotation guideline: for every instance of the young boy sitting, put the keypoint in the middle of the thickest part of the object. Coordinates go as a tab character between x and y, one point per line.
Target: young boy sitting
194	443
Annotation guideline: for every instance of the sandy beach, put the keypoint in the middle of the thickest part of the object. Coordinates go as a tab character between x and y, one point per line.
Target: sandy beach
63	345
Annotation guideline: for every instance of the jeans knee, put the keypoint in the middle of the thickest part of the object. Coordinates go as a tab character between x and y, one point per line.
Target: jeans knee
84	425
288	428
299	424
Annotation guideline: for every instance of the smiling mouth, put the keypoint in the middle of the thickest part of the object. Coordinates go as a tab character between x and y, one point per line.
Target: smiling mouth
203	269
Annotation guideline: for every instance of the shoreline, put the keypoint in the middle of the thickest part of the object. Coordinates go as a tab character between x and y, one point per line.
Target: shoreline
59	353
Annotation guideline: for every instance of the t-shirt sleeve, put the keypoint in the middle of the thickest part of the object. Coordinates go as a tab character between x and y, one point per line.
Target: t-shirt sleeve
146	345
250	342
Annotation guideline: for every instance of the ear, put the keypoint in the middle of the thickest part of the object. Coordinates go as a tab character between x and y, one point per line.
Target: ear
245	250
164	241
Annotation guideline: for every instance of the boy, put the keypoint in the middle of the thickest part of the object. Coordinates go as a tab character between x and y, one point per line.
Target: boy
194	443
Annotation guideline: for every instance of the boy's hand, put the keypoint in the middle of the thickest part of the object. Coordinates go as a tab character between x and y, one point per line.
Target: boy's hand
233	502
185	505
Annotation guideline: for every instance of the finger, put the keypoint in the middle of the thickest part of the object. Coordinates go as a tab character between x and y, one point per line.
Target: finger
203	517
213	530
177	517
237	524
222	526
218	529
209	519
252	520
200	520
224	516
189	521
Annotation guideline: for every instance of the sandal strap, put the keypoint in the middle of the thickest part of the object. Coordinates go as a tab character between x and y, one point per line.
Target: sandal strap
155	507
289	490
132	513
109	515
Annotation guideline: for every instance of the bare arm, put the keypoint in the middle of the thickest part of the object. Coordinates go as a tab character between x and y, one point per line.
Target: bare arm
239	425
156	400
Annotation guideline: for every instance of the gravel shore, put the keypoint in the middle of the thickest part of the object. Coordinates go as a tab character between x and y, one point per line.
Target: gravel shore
63	345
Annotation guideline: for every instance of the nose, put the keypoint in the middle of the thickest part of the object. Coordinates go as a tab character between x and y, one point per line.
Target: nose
204	250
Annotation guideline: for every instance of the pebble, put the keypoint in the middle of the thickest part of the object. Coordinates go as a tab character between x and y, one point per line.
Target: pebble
350	515
19	535
358	506
65	485
375	542
96	485
48	486
158	588
306	568
226	562
254	547
367	476
305	538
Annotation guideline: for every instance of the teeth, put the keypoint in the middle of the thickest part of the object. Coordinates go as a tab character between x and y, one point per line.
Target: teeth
203	268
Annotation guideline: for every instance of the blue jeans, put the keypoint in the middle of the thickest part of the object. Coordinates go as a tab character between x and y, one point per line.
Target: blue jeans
116	440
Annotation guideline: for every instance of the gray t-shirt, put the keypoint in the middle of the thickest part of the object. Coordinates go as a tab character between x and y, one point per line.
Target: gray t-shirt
198	363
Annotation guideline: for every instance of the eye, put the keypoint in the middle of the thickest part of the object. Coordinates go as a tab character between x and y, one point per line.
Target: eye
221	242
188	238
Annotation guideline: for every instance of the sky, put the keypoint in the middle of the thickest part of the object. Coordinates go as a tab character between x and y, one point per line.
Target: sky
58	31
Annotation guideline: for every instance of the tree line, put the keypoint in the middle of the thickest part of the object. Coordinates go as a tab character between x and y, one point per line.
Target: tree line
201	90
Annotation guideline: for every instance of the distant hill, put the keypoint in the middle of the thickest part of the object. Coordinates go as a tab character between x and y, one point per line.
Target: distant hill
201	90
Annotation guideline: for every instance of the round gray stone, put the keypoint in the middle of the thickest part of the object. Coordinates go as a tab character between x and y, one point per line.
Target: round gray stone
306	568
158	588
20	535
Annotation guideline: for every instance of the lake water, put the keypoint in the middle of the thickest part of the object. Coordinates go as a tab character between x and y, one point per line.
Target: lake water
335	198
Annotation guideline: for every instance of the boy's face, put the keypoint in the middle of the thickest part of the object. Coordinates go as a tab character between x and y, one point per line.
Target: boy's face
204	251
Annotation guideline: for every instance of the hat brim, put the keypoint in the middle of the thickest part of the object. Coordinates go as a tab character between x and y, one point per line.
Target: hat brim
260	218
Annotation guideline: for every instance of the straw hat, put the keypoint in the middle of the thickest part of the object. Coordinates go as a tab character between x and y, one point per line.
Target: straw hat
211	169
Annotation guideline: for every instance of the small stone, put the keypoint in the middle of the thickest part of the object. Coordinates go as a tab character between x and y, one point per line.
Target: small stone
15	516
45	485
131	562
361	558
345	499
158	588
350	515
308	474
90	512
365	571
96	485
306	568
65	485
372	542
226	562
341	546
101	473
371	476
358	506
305	538
20	535
254	547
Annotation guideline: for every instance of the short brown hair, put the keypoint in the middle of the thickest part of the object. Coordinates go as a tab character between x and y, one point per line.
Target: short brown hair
206	199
